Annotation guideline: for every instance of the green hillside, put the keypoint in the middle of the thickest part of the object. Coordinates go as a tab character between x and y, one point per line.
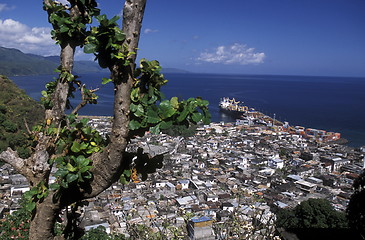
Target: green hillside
15	108
14	62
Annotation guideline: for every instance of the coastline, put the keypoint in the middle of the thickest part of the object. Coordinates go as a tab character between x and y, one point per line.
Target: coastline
286	96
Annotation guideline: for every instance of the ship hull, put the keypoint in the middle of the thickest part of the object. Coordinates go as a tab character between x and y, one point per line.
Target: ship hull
232	113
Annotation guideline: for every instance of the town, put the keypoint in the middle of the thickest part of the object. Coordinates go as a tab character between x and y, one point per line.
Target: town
240	171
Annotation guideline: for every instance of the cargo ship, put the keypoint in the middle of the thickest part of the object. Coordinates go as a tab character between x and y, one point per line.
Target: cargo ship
232	107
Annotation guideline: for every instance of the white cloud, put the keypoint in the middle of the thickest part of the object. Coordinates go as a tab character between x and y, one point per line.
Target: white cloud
63	1
149	30
233	54
5	7
14	34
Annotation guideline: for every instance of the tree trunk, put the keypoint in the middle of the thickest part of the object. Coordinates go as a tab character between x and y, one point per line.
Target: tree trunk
42	225
107	164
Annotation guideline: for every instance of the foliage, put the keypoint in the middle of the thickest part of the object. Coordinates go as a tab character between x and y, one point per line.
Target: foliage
107	42
15	109
14	63
68	28
100	233
312	213
181	130
16	225
356	209
76	142
152	112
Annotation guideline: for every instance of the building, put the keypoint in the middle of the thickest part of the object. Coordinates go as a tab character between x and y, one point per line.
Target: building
201	228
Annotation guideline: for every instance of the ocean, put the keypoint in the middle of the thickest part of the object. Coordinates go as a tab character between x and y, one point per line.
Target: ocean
329	103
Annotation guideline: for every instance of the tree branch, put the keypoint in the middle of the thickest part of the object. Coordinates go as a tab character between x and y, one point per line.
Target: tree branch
11	157
107	164
84	99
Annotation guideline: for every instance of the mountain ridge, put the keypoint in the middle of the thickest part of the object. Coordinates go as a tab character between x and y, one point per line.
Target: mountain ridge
14	62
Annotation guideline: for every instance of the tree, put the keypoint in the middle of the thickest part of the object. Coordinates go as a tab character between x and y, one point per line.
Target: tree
312	213
85	163
16	225
356	209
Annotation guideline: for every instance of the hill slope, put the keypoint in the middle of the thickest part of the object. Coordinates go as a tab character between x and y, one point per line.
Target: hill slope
15	107
14	62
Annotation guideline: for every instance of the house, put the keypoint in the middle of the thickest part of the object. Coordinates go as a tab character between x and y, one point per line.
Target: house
184	184
223	216
306	186
210	197
276	163
201	228
227	206
338	162
188	200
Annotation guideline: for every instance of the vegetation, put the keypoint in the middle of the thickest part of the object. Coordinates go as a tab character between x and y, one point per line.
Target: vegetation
16	109
83	162
181	130
356	207
14	62
312	213
100	233
16	225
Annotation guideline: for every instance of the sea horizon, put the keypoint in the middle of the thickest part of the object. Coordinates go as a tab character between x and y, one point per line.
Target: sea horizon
333	104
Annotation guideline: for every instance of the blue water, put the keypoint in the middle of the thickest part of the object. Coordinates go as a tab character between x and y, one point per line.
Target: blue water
329	103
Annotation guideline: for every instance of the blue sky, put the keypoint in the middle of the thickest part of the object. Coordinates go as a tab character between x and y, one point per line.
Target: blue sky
289	37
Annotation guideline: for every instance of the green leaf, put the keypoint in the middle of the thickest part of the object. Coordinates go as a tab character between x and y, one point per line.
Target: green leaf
174	102
113	20
119	35
165	125
84	146
166	109
75	147
152	116
70	168
135	95
54	186
183	115
30	206
85	169
71	177
139	111
64	29
84	121
72	118
28	195
64	184
61	173
153	99
127	173
87	175
123	180
106	80
82	161
155	129
197	117
90	48
134	125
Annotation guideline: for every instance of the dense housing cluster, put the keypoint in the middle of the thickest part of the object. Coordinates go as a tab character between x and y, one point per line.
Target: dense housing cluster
226	171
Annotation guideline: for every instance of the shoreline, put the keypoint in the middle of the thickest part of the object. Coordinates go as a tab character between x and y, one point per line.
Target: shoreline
277	123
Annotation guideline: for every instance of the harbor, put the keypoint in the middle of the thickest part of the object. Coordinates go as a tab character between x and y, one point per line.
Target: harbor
249	116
